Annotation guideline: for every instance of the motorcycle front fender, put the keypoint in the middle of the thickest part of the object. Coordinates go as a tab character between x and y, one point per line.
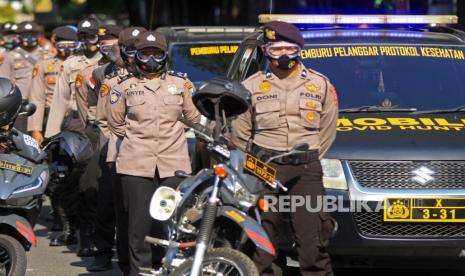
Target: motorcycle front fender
254	231
22	227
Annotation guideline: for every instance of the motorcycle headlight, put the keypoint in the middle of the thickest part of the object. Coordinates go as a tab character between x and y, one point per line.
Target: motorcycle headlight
164	202
244	197
37	184
333	174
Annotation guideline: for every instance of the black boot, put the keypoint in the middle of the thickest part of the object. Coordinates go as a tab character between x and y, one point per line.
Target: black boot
86	248
57	224
102	262
68	236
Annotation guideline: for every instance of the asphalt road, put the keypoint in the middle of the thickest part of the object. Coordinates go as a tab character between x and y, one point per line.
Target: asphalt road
44	260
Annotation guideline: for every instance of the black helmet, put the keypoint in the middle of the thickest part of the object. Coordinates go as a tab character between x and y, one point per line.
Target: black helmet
232	96
10	102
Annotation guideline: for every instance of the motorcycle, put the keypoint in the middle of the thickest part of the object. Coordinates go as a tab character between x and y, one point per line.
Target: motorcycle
26	169
23	179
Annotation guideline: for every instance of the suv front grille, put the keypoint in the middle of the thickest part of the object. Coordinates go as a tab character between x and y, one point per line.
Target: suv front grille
371	224
400	175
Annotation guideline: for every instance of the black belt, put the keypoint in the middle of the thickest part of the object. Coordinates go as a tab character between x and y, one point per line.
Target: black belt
294	159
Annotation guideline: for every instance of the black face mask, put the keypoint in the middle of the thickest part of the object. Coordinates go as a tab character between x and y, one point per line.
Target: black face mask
11	44
90	46
29	41
287	63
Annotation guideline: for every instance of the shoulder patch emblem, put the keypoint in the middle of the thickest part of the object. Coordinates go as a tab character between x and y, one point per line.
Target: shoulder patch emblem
2	59
78	81
189	86
265	86
104	90
332	89
35	70
114	96
312	88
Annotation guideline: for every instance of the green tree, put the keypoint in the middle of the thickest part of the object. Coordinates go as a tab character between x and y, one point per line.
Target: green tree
7	13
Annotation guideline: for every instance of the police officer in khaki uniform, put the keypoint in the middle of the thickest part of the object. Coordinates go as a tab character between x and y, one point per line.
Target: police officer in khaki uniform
19	62
10	39
65	89
64	98
143	115
291	105
106	77
44	77
93	178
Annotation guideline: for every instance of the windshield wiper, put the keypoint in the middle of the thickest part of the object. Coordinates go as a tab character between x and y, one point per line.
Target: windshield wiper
457	109
373	108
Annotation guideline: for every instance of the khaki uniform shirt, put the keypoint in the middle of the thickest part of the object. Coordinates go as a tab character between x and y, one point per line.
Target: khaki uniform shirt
64	96
86	96
287	112
103	106
44	77
18	65
143	113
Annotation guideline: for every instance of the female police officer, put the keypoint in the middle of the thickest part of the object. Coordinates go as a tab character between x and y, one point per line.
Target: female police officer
143	114
291	105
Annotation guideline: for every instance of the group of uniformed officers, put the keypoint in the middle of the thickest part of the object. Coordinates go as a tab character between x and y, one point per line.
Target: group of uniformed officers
112	85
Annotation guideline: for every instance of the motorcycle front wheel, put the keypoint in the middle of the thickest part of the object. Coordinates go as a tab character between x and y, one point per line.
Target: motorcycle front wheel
12	257
220	261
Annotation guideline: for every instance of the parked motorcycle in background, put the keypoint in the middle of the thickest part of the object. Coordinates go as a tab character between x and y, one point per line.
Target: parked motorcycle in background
24	177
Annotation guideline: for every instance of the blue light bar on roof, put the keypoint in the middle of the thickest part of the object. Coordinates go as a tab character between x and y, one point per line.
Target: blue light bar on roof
319	34
359	19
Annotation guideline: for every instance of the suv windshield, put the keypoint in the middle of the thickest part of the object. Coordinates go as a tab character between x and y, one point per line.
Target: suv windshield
392	76
202	61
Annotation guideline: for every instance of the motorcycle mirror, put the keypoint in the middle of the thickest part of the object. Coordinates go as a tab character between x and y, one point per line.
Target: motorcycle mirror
28	109
181	174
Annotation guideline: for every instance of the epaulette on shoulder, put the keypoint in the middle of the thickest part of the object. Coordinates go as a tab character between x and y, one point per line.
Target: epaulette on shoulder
125	78
317	73
177	74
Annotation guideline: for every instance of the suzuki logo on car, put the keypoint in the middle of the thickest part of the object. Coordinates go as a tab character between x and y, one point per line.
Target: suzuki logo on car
423	175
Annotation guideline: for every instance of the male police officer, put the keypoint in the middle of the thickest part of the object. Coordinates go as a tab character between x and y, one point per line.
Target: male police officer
106	77
144	112
291	105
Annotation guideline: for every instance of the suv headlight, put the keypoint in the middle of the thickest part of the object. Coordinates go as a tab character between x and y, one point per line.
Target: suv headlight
333	174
